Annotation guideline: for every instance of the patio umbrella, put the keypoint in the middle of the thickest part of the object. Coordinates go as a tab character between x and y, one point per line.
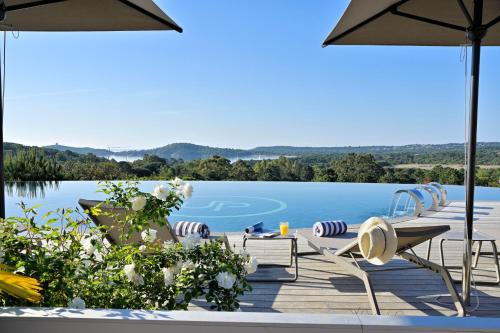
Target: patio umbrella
76	15
430	23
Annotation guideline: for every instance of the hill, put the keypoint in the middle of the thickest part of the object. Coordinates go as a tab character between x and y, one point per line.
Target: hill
81	150
488	152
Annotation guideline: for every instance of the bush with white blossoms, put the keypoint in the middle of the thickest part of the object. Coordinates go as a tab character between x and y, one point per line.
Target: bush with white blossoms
78	268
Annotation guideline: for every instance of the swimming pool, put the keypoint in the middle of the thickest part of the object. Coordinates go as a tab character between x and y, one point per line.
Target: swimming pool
232	205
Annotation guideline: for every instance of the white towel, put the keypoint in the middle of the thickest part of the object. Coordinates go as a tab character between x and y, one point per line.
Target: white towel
329	228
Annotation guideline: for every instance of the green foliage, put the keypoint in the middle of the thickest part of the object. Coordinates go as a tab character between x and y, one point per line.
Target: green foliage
77	267
488	177
29	165
48	164
214	168
358	168
242	170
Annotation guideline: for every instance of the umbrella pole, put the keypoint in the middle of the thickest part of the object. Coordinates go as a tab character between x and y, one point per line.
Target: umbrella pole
475	35
2	180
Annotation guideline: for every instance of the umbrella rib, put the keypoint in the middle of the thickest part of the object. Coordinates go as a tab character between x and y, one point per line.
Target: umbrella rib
31	4
151	15
363	23
492	22
466	12
428	20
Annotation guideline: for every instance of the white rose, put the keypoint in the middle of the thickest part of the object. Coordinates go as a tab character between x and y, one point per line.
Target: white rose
76	303
88	245
225	280
138	203
177	182
188	265
168	244
187	191
168	276
132	276
244	253
191	241
251	265
149	235
178	266
160	192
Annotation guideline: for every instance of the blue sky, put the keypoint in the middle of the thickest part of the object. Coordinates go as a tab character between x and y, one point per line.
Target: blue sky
243	74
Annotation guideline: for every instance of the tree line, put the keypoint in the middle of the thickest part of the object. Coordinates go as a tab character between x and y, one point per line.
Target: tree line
35	165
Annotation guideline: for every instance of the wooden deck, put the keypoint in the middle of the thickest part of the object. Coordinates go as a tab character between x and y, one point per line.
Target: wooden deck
323	287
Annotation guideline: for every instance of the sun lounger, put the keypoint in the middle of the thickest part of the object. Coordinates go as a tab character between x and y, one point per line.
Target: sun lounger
165	233
344	251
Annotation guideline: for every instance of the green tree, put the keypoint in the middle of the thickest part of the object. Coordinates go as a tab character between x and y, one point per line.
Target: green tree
214	168
359	168
242	170
31	165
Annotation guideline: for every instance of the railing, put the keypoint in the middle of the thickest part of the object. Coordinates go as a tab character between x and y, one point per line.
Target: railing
130	321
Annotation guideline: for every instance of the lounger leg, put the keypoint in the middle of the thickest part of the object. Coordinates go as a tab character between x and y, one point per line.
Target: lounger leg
495	257
444	274
429	249
478	253
441	254
226	242
360	274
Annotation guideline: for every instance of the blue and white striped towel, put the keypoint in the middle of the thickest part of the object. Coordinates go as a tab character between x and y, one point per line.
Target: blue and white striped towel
184	228
329	228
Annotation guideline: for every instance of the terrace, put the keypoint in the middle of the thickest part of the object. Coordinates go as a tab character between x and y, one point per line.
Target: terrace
323	287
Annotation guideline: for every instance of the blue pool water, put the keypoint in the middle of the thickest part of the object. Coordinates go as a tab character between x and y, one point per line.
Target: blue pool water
231	206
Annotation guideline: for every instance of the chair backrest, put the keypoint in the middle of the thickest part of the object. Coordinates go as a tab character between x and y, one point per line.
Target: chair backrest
408	237
165	233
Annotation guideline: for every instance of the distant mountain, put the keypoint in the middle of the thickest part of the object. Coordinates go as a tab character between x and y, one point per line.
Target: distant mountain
81	150
189	151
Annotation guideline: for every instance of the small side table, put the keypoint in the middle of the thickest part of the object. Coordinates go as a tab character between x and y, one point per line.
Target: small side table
294	256
477	237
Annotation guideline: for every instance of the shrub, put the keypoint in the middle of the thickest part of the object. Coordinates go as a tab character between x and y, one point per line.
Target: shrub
77	267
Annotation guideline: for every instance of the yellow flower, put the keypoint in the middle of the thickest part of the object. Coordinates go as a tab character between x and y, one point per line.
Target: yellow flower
19	286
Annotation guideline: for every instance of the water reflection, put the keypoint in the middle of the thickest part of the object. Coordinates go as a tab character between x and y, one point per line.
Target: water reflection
30	190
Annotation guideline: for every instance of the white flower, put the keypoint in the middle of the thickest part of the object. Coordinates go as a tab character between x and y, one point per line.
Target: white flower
132	276
251	265
149	235
142	248
177	182
188	265
89	245
20	269
138	203
168	276
225	280
168	244
76	303
178	266
187	191
191	241
160	192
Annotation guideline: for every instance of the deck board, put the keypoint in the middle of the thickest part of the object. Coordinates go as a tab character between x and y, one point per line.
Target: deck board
323	287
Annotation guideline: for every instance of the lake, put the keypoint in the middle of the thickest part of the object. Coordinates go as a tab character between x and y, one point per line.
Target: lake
232	205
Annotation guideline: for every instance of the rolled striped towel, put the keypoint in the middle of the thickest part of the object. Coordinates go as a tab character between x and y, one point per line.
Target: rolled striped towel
329	228
257	227
184	228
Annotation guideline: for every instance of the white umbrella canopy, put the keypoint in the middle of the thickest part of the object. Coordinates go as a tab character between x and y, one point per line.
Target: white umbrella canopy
389	22
76	15
430	23
85	15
